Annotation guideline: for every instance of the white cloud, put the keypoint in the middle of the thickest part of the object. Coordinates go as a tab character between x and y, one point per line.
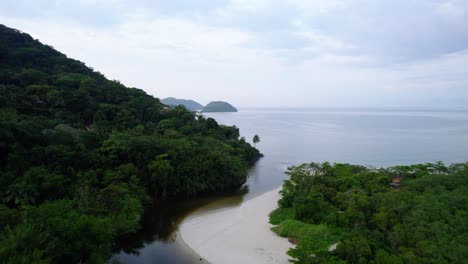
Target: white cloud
305	5
450	9
326	42
266	53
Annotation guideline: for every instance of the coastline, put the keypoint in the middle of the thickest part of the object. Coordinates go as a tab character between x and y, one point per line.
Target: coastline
238	234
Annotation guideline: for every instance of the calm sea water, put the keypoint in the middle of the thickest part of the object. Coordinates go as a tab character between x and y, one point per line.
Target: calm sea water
374	137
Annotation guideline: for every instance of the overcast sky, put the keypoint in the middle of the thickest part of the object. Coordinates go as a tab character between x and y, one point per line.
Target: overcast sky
301	53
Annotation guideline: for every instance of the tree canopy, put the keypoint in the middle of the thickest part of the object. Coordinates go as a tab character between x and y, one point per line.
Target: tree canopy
256	139
357	210
80	155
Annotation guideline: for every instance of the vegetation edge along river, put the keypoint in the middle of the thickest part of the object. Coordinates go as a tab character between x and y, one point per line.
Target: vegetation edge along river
342	213
81	155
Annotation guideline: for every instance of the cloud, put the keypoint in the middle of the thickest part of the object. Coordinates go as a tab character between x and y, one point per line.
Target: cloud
265	53
396	31
307	6
452	10
392	31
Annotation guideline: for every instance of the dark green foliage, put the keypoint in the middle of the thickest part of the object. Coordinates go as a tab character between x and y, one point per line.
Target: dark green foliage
281	214
256	139
355	208
80	155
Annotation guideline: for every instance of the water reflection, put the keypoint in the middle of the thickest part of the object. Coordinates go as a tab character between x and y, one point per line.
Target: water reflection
158	241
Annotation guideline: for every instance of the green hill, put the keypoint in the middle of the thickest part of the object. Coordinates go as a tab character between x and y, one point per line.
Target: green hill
81	154
219	106
189	104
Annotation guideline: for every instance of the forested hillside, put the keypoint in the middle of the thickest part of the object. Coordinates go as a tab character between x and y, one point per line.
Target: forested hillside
80	155
345	213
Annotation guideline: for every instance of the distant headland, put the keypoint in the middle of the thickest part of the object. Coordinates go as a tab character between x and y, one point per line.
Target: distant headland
191	105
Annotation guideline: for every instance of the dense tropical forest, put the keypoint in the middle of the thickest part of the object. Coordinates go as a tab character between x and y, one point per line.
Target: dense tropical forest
81	155
345	213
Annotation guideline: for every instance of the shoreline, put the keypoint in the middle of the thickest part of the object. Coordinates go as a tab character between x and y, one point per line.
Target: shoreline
240	234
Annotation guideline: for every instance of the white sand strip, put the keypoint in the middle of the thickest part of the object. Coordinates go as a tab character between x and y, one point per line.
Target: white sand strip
237	235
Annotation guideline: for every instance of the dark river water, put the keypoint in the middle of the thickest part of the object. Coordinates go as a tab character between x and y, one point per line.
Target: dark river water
373	137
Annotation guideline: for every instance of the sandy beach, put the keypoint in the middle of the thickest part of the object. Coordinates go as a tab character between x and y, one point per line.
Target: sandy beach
237	235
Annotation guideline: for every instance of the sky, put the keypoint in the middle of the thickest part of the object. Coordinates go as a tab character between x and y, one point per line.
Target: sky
259	53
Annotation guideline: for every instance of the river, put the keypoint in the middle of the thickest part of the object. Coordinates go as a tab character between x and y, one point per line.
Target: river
374	137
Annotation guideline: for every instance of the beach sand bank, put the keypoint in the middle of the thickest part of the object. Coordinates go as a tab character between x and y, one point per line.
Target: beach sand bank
237	235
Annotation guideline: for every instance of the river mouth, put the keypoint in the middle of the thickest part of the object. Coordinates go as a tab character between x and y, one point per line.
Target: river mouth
382	138
158	239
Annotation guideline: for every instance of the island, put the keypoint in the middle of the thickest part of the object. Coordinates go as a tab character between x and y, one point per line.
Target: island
219	106
191	105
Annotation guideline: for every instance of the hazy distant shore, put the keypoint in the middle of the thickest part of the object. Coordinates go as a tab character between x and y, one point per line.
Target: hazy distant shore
237	235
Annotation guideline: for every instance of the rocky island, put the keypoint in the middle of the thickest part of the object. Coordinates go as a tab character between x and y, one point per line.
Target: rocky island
219	106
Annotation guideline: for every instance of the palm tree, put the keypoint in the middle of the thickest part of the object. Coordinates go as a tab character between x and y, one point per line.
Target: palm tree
256	139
